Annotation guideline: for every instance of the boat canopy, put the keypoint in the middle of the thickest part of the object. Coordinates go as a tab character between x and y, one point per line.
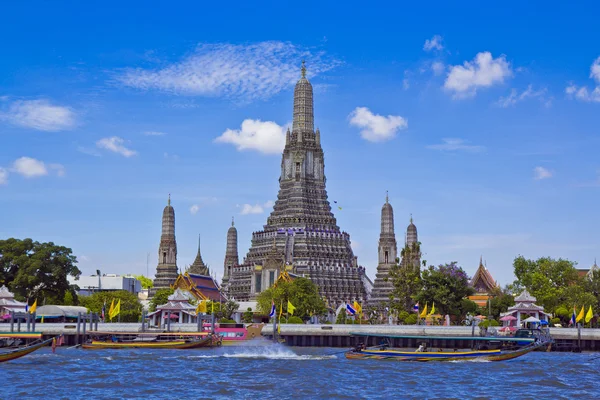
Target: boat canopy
478	338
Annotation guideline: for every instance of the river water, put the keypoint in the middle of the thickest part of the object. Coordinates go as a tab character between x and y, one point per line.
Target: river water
273	371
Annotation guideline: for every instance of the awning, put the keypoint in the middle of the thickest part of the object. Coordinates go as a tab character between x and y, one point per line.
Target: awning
172	316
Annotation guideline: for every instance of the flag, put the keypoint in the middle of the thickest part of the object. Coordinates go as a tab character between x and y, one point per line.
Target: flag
572	321
61	340
116	310
580	315
42	321
424	312
357	307
290	308
589	315
350	309
416	308
212	303
201	307
432	309
272	313
103	311
33	307
280	312
111	309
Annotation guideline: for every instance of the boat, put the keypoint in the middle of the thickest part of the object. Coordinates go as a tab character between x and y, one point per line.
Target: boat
23	351
138	340
480	349
233	333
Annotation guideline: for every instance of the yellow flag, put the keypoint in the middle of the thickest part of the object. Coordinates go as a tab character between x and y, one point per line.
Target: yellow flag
580	315
291	308
357	307
116	310
201	307
432	309
212	304
33	307
424	312
589	315
111	309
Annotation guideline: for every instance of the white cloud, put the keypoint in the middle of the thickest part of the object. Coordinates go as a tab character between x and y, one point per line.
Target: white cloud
115	144
434	43
248	71
595	70
540	173
438	68
516	97
483	71
58	168
154	133
266	137
29	167
583	93
3	176
256	208
40	115
454	144
194	209
376	128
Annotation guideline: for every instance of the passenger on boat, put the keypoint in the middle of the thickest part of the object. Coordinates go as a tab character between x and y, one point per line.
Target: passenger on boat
422	348
383	345
360	347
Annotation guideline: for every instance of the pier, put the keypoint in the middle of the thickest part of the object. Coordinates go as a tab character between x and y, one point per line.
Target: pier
566	339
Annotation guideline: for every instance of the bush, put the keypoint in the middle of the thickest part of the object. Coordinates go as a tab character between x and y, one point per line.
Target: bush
411	319
226	321
487	323
555	321
403	315
295	320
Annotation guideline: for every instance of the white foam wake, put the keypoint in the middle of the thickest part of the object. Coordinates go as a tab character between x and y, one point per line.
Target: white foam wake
266	353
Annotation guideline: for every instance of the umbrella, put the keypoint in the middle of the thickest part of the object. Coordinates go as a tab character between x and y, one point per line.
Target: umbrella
508	318
172	316
543	322
532	319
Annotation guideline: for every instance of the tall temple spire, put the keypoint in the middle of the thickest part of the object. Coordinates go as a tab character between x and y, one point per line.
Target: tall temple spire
231	254
387	252
303	105
166	270
198	267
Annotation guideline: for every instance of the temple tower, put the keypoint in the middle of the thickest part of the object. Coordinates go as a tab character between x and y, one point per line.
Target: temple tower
166	270
231	254
198	267
411	254
304	228
388	251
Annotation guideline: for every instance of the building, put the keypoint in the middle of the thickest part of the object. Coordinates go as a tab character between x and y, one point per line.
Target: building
107	282
387	254
484	285
198	267
166	270
301	231
411	253
202	287
8	303
231	255
178	309
588	272
524	305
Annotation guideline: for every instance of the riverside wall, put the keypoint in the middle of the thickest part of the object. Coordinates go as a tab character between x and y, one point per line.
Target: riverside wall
566	339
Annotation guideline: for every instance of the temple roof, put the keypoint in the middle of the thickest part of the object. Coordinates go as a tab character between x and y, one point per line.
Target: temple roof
5	293
198	267
201	286
525	297
484	276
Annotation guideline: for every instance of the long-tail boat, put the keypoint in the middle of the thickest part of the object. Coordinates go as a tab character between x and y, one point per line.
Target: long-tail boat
479	349
23	351
139	340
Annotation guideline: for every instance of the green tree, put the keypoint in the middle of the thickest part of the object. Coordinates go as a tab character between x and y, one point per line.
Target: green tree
342	318
500	303
406	280
411	319
248	316
546	279
295	320
446	286
229	308
147	283
37	270
160	297
301	292
131	309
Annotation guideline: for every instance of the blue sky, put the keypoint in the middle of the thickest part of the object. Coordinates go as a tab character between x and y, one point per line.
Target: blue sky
481	122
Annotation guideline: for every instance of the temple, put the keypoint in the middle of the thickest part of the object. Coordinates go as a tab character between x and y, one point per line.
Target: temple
411	253
198	267
166	270
8	303
231	255
388	252
301	235
588	272
201	287
524	305
484	285
178	309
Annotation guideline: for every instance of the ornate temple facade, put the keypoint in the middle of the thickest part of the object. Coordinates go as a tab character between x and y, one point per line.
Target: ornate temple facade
388	252
231	255
411	253
166	270
301	234
483	283
198	267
